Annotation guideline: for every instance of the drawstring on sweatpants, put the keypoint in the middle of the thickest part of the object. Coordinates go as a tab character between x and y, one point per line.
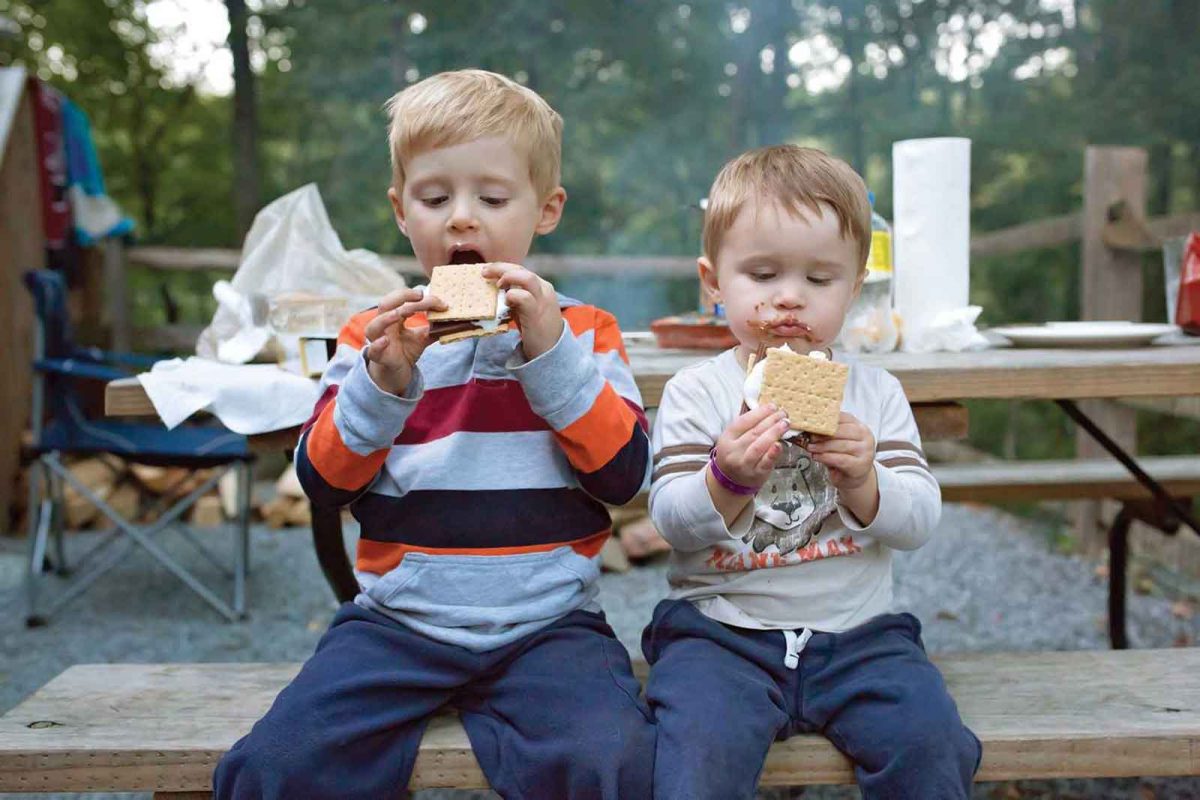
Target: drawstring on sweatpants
794	646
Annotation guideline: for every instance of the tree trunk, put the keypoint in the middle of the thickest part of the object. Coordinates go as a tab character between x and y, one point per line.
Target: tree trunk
1161	178
141	143
773	125
399	57
245	122
858	149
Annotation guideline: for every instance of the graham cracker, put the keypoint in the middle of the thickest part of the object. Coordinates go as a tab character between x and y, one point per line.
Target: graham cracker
467	294
808	389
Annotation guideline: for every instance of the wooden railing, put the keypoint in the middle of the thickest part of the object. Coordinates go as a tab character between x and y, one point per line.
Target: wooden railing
1052	232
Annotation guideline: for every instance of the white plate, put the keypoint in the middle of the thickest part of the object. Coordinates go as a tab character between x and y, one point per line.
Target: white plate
1106	333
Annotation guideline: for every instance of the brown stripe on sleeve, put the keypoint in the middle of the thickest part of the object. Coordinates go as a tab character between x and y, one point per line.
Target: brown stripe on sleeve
683	450
905	461
671	469
883	447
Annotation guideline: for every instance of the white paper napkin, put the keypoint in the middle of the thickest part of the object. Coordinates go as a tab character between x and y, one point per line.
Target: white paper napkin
247	398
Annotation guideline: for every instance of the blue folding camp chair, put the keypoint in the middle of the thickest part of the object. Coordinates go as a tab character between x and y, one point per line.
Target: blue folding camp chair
60	429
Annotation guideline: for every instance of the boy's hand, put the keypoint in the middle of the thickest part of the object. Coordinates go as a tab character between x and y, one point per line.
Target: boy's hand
850	456
393	348
749	447
534	305
849	453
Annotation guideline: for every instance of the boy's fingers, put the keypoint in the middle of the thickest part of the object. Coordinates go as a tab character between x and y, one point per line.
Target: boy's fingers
518	298
385	320
393	299
836	461
774	425
761	445
519	277
377	348
832	446
497	268
769	458
432	302
376	328
746	421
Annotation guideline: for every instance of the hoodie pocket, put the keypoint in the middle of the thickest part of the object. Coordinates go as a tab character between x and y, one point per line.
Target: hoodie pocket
488	594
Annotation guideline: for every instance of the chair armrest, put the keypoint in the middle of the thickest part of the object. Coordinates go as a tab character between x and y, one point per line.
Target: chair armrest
129	359
79	369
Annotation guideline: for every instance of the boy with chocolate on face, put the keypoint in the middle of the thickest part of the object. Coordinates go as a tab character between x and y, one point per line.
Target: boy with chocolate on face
780	618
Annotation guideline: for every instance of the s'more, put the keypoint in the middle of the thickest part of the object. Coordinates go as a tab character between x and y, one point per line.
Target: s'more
475	306
809	387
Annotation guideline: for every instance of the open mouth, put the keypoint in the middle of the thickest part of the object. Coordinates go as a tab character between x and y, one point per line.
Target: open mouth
466	256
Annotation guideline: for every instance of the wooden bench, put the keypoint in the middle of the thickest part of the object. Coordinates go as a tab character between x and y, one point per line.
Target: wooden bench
163	727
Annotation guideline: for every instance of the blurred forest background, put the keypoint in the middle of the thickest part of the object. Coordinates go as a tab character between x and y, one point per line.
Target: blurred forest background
656	95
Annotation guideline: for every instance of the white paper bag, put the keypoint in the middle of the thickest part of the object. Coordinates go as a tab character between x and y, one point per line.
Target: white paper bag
292	247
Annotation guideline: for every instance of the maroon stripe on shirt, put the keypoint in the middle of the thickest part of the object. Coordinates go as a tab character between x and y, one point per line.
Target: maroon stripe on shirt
480	406
639	412
325	399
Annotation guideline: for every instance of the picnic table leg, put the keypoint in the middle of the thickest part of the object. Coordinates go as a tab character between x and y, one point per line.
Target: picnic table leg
1169	506
331	552
1118	556
1164	512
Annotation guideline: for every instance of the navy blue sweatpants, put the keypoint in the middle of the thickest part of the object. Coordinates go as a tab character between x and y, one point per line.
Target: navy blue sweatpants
721	695
554	715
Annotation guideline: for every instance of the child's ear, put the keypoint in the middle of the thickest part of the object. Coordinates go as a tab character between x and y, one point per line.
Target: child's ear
708	278
858	282
397	209
552	209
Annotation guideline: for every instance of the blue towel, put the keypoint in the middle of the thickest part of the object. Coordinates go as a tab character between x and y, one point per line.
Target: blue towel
96	215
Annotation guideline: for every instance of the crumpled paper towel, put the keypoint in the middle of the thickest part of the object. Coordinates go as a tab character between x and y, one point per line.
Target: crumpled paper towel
246	398
952	331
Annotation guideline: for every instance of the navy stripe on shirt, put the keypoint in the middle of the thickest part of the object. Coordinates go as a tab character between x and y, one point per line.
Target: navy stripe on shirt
480	518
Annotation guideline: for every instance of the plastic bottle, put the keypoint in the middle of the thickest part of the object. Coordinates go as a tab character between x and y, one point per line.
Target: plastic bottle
870	326
879	260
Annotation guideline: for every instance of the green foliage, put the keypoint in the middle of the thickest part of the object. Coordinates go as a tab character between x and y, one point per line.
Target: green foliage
656	95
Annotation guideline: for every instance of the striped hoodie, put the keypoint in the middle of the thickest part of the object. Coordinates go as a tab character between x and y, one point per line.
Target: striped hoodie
481	491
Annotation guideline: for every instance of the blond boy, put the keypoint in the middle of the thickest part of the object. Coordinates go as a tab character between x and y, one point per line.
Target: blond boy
478	472
780	618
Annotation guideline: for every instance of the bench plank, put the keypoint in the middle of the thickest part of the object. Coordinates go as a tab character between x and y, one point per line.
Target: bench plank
1065	480
162	727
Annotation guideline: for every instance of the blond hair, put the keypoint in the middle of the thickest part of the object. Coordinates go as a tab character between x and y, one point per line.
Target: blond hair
797	178
455	107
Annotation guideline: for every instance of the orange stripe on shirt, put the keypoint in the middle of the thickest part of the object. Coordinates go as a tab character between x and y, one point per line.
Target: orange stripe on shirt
594	439
607	332
380	558
337	464
354	333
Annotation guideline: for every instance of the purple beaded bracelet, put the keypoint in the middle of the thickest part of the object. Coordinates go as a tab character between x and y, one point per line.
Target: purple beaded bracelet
725	480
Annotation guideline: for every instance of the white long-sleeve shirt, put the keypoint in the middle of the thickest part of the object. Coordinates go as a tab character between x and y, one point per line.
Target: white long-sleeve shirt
765	572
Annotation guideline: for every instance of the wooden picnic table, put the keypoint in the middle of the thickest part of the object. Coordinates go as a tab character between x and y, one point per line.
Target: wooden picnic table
999	373
933	382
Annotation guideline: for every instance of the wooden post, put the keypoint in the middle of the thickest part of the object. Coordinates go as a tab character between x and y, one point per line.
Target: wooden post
1111	288
22	248
116	299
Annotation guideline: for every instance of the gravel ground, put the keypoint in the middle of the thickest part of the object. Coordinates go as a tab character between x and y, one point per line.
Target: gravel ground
987	581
